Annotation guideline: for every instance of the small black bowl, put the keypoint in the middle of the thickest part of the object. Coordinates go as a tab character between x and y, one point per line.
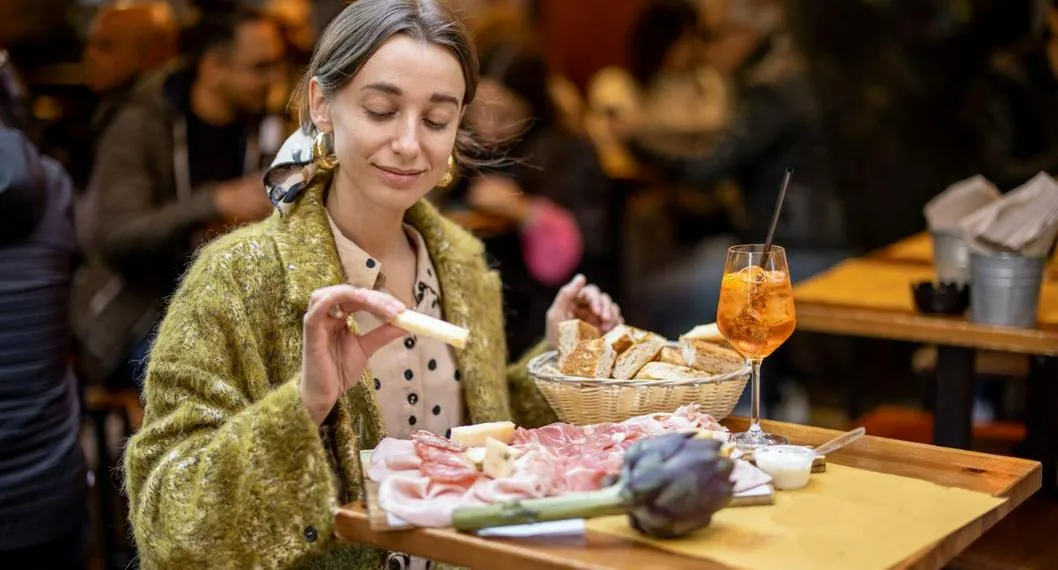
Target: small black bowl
941	298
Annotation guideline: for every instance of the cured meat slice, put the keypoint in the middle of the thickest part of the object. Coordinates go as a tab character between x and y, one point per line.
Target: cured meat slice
445	465
556	435
443	460
425	438
392	455
421	501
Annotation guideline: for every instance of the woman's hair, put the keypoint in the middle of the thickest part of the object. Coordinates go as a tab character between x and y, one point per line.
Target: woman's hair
521	68
363	26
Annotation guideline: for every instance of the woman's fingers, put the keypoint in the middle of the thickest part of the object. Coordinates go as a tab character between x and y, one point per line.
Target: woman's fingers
591	296
330	306
379	337
566	298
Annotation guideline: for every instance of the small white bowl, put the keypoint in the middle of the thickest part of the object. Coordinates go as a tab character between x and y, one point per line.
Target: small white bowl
789	465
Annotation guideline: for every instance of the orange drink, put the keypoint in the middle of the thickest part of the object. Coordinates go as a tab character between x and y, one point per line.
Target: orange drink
756	310
756	315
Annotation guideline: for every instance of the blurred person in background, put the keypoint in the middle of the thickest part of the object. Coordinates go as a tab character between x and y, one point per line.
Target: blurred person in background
14	100
296	22
776	125
680	104
1013	111
547	208
44	520
177	164
673	95
124	43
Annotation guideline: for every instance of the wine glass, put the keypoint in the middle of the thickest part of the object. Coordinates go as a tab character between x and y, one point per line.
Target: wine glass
756	315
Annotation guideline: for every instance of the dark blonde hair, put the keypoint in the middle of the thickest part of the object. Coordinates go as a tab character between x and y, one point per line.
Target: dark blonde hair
362	27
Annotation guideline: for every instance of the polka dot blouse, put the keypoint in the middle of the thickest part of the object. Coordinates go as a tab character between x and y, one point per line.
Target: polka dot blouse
415	377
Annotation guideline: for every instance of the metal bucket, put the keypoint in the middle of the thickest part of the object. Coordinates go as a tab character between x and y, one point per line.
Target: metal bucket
1006	289
951	257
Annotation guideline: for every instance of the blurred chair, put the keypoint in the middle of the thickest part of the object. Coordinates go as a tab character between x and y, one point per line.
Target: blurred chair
102	404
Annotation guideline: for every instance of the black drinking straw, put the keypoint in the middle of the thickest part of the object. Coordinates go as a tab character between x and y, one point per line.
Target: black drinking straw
775	215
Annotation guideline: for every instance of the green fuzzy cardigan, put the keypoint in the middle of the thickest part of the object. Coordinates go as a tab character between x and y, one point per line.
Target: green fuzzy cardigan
228	470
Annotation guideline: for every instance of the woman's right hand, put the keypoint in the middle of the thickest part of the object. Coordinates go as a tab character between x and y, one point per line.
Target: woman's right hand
333	358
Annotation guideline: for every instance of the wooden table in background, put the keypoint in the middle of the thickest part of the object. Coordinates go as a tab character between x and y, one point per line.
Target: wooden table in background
871	297
1013	478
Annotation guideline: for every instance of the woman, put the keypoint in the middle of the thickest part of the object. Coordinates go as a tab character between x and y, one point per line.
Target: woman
551	200
258	394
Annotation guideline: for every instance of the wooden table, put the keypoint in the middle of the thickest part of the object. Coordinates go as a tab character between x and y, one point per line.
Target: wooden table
1013	478
876	302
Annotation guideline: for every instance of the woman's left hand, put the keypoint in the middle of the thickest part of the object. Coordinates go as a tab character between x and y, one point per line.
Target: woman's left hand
580	300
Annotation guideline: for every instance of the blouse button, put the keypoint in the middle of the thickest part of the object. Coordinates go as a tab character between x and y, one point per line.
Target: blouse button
413	398
409	342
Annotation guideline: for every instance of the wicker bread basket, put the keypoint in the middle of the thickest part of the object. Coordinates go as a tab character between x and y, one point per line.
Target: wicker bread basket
582	401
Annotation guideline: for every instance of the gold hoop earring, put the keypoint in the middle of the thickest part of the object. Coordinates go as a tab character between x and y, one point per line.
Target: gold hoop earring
450	173
322	154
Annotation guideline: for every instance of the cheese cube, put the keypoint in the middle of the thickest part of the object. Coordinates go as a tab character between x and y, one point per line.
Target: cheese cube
499	459
475	435
476	455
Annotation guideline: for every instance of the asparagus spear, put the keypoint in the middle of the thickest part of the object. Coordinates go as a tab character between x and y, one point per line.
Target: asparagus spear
669	485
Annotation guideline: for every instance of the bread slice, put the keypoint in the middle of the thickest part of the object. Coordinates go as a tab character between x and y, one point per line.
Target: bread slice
590	359
671	355
640	334
619	338
631	360
709	332
667	371
572	332
709	356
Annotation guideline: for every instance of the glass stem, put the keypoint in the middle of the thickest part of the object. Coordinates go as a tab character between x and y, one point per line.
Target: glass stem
754	426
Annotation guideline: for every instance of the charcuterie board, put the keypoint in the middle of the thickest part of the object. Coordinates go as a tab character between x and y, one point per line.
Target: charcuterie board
380	520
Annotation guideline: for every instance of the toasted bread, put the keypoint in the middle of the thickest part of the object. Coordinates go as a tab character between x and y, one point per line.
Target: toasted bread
631	360
573	332
709	356
667	371
619	338
640	334
671	355
709	332
590	359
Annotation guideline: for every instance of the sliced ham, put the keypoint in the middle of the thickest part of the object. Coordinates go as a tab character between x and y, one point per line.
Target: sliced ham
416	499
442	460
392	455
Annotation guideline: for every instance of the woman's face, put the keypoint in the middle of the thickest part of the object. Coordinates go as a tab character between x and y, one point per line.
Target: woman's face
497	113
394	125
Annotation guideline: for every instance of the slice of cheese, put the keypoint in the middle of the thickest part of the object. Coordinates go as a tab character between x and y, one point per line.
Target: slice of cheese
475	435
476	455
499	459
